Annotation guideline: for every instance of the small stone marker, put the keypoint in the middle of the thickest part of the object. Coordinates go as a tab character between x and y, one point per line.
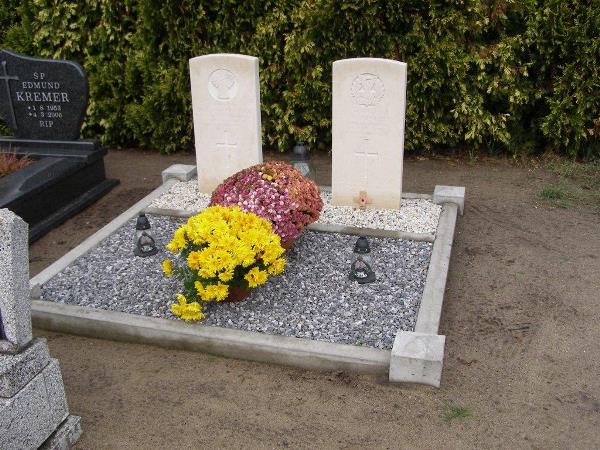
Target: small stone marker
42	98
15	304
226	107
369	102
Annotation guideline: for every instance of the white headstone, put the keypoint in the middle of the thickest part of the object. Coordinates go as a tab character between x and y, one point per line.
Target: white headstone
226	107
369	103
15	304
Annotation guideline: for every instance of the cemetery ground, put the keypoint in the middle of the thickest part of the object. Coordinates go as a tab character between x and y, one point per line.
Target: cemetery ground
520	316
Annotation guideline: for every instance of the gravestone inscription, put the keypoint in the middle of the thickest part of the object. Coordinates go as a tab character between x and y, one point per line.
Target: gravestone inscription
42	98
368	106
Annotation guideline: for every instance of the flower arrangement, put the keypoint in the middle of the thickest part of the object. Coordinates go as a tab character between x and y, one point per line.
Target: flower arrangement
217	250
276	191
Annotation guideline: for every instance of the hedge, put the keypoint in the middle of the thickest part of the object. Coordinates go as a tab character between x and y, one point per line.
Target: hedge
499	75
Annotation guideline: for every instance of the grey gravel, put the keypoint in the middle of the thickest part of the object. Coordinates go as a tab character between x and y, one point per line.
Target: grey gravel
414	215
313	299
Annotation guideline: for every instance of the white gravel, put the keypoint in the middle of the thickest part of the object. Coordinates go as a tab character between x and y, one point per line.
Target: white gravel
414	215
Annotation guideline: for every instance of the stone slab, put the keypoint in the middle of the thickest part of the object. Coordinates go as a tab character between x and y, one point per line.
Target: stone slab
15	307
65	436
34	413
368	109
227	123
19	369
450	194
417	358
181	172
42	98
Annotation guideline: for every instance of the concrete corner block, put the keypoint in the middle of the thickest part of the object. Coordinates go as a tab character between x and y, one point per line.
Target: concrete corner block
181	172
450	194
417	358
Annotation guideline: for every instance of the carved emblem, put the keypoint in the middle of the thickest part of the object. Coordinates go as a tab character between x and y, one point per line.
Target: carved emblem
367	89
222	85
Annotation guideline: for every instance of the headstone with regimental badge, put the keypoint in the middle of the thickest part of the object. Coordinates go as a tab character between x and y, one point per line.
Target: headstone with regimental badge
226	108
368	108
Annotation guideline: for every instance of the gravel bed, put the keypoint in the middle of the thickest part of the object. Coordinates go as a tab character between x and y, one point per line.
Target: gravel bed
313	299
414	215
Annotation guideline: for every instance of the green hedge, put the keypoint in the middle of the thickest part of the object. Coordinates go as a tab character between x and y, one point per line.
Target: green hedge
500	75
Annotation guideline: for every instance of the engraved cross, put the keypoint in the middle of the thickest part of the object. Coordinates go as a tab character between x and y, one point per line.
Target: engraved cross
367	157
228	147
4	76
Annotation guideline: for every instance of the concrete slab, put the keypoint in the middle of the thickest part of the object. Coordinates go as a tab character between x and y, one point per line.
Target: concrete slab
181	172
227	342
428	320
450	194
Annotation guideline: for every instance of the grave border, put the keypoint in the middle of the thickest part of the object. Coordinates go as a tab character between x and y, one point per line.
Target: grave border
416	356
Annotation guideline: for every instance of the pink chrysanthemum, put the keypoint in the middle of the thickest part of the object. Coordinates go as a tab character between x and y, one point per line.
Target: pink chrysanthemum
276	191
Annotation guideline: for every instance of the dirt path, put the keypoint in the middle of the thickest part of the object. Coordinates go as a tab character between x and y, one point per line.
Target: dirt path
521	318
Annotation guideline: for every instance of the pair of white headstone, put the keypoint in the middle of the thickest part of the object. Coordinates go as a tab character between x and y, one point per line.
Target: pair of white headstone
369	100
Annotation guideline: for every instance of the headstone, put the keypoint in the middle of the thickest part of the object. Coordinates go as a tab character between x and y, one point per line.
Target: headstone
42	98
15	304
44	101
33	406
368	108
226	108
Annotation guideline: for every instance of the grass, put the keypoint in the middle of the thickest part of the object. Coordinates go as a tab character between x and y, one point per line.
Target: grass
455	412
553	193
585	176
10	162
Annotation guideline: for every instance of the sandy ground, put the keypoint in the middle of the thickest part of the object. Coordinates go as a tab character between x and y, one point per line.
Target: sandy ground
521	317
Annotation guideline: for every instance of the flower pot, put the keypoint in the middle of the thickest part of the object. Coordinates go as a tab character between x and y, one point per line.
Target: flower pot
237	294
287	244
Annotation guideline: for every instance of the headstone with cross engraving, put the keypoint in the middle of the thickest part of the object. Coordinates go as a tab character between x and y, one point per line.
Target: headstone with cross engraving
226	108
369	102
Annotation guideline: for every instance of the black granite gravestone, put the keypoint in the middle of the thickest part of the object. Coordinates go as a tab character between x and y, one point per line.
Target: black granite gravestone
44	101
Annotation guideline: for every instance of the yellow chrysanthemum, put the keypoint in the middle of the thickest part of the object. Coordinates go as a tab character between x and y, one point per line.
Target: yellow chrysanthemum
187	311
217	291
226	276
167	267
277	267
194	260
178	242
255	277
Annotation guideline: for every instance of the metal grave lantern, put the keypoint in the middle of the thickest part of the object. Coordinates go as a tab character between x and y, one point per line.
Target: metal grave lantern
144	243
301	160
361	268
